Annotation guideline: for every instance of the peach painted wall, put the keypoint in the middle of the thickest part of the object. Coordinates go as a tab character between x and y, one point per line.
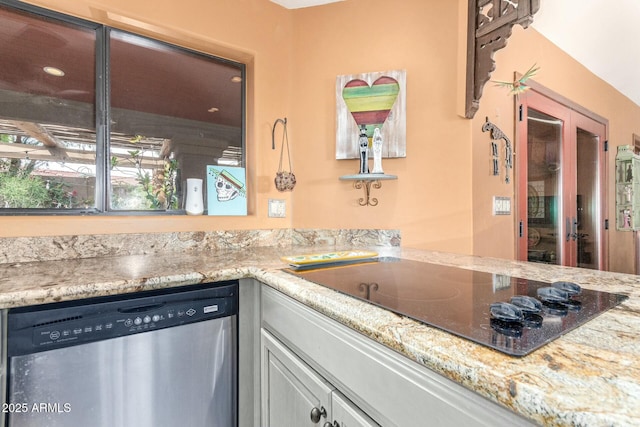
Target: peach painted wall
256	32
565	76
431	200
294	58
442	198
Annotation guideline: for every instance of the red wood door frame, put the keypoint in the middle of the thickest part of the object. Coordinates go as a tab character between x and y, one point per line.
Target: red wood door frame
572	117
580	121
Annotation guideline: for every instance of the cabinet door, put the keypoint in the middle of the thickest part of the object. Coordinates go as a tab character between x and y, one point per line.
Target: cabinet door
292	394
346	414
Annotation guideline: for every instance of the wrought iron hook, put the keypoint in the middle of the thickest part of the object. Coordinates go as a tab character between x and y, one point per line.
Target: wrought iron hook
273	131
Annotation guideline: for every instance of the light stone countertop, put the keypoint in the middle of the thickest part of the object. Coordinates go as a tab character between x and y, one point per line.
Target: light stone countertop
588	377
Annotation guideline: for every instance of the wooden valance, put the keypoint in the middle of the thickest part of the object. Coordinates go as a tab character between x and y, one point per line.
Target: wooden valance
490	25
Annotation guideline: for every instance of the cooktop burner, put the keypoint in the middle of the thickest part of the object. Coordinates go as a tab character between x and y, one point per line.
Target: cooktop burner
510	314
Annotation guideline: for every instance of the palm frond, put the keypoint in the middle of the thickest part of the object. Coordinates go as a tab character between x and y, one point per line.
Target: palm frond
518	86
530	73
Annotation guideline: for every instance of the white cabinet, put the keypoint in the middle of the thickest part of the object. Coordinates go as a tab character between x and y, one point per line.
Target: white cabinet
387	388
294	395
346	414
627	189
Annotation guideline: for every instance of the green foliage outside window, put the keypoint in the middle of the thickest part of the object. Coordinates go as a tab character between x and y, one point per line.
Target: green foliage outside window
20	189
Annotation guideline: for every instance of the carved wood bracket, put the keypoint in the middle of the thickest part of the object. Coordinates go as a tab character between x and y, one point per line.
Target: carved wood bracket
490	25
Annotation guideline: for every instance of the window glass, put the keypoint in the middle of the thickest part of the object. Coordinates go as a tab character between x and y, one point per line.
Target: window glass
172	113
47	113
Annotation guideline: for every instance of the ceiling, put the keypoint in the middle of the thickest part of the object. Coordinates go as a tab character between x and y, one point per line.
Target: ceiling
146	76
164	99
600	34
297	4
593	32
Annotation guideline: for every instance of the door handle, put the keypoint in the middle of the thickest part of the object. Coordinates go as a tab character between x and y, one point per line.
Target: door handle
572	229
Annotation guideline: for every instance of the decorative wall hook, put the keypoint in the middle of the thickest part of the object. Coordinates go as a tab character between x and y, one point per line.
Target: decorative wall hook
284	180
273	131
497	134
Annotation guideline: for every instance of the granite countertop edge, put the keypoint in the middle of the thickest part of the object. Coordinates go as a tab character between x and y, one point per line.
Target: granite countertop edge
590	376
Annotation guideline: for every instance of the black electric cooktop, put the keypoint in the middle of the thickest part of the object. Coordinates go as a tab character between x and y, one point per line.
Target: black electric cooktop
468	303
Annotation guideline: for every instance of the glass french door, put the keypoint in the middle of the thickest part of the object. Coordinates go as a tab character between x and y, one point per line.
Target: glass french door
561	163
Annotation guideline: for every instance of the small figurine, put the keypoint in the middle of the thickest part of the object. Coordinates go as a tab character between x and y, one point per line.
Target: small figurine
377	151
627	218
363	142
628	193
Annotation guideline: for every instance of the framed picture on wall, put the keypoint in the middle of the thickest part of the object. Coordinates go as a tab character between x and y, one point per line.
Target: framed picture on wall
226	190
371	100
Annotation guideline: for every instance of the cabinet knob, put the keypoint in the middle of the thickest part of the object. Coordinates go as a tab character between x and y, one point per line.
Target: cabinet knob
328	424
317	413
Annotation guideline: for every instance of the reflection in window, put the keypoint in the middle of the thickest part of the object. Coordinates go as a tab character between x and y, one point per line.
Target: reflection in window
47	115
173	112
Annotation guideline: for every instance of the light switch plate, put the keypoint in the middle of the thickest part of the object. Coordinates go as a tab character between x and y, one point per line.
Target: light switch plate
501	205
501	282
277	208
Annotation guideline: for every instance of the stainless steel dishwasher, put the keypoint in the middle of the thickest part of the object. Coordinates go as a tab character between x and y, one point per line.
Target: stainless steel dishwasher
160	358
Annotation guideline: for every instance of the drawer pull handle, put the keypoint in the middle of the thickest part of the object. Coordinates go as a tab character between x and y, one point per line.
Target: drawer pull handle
316	414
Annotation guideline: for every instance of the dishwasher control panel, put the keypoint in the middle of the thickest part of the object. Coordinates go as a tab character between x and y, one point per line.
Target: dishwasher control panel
106	318
112	326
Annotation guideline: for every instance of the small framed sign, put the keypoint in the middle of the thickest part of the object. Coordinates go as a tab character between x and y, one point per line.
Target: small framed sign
226	190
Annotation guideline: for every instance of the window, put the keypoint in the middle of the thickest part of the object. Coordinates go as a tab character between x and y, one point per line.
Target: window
170	113
47	113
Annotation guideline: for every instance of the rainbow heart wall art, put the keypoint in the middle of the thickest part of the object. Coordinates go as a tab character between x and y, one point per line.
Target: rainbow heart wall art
372	100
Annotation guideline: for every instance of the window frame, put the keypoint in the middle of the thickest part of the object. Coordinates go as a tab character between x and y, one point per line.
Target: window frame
103	114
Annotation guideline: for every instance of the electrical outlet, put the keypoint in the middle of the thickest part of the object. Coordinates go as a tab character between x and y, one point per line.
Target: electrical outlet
277	208
501	205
